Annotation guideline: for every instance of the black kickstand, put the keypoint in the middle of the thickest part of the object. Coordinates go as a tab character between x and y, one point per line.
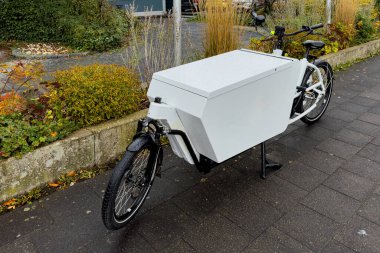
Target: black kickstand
267	164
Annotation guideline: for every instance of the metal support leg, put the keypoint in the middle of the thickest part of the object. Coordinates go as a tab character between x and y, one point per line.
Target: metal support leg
267	164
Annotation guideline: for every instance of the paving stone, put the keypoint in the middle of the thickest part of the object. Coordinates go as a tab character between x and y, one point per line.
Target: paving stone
69	233
377	190
273	240
322	161
302	175
353	137
185	177
364	127
314	132
199	201
99	183
22	245
124	240
179	246
360	235
331	203
164	225
162	190
376	141
336	247
277	192
373	93
364	101
370	118
298	142
371	152
251	214
342	115
280	153
171	159
371	209
354	108
350	184
338	148
79	198
339	99
363	167
331	123
375	109
345	92
217	234
308	227
20	223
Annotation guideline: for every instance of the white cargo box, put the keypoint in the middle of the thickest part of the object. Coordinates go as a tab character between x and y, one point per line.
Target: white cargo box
228	103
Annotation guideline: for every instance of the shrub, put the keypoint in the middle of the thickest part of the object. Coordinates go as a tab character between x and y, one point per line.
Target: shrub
365	28
91	94
293	14
83	24
342	34
11	102
18	136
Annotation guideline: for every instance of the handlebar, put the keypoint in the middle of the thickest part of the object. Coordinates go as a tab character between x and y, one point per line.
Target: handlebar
280	33
305	29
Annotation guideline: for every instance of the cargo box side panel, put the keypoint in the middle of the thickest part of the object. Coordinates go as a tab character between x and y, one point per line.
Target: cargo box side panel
240	119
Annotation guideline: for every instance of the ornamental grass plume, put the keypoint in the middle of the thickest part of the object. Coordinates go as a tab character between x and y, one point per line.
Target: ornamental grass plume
221	32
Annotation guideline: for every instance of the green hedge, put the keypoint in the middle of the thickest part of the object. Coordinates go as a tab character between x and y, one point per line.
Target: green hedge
82	24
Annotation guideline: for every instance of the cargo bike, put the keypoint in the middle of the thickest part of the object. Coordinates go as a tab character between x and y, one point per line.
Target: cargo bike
214	109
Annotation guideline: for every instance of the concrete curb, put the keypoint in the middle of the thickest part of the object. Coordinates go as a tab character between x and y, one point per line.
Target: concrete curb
97	145
352	54
88	147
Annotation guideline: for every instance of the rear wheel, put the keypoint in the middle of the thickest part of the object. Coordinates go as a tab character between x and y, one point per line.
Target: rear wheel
130	183
311	77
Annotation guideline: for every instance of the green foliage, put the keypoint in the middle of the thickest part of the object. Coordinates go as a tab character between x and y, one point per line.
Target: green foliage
19	136
83	24
342	34
92	94
365	28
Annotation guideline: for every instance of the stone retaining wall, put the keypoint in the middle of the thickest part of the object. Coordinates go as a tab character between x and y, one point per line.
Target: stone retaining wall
88	147
100	144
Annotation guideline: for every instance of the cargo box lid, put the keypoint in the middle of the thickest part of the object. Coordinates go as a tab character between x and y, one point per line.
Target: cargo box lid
216	75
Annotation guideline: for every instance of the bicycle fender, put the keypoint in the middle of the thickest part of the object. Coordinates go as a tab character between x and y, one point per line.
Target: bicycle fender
139	142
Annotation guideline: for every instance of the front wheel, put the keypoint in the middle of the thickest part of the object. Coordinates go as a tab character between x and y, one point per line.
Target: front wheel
309	97
130	183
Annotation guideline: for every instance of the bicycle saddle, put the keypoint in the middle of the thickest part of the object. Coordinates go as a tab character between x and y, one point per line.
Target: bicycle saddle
314	44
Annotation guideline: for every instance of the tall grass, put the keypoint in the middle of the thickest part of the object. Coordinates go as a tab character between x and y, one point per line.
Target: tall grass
345	11
293	14
151	45
221	31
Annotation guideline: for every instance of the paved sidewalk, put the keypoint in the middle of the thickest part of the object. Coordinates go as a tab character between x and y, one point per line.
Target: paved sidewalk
326	198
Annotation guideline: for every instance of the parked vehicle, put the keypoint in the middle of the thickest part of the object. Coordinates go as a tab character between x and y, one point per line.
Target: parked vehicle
237	100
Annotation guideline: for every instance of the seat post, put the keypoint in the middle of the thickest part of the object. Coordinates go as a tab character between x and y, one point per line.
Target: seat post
307	52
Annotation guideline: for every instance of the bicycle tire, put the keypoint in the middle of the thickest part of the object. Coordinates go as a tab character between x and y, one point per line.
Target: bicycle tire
329	83
122	175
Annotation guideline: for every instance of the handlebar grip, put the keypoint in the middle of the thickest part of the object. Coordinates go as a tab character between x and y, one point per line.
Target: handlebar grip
316	26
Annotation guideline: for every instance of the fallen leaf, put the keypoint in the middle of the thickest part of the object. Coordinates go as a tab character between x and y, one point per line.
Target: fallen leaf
53	184
71	174
10	202
53	134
